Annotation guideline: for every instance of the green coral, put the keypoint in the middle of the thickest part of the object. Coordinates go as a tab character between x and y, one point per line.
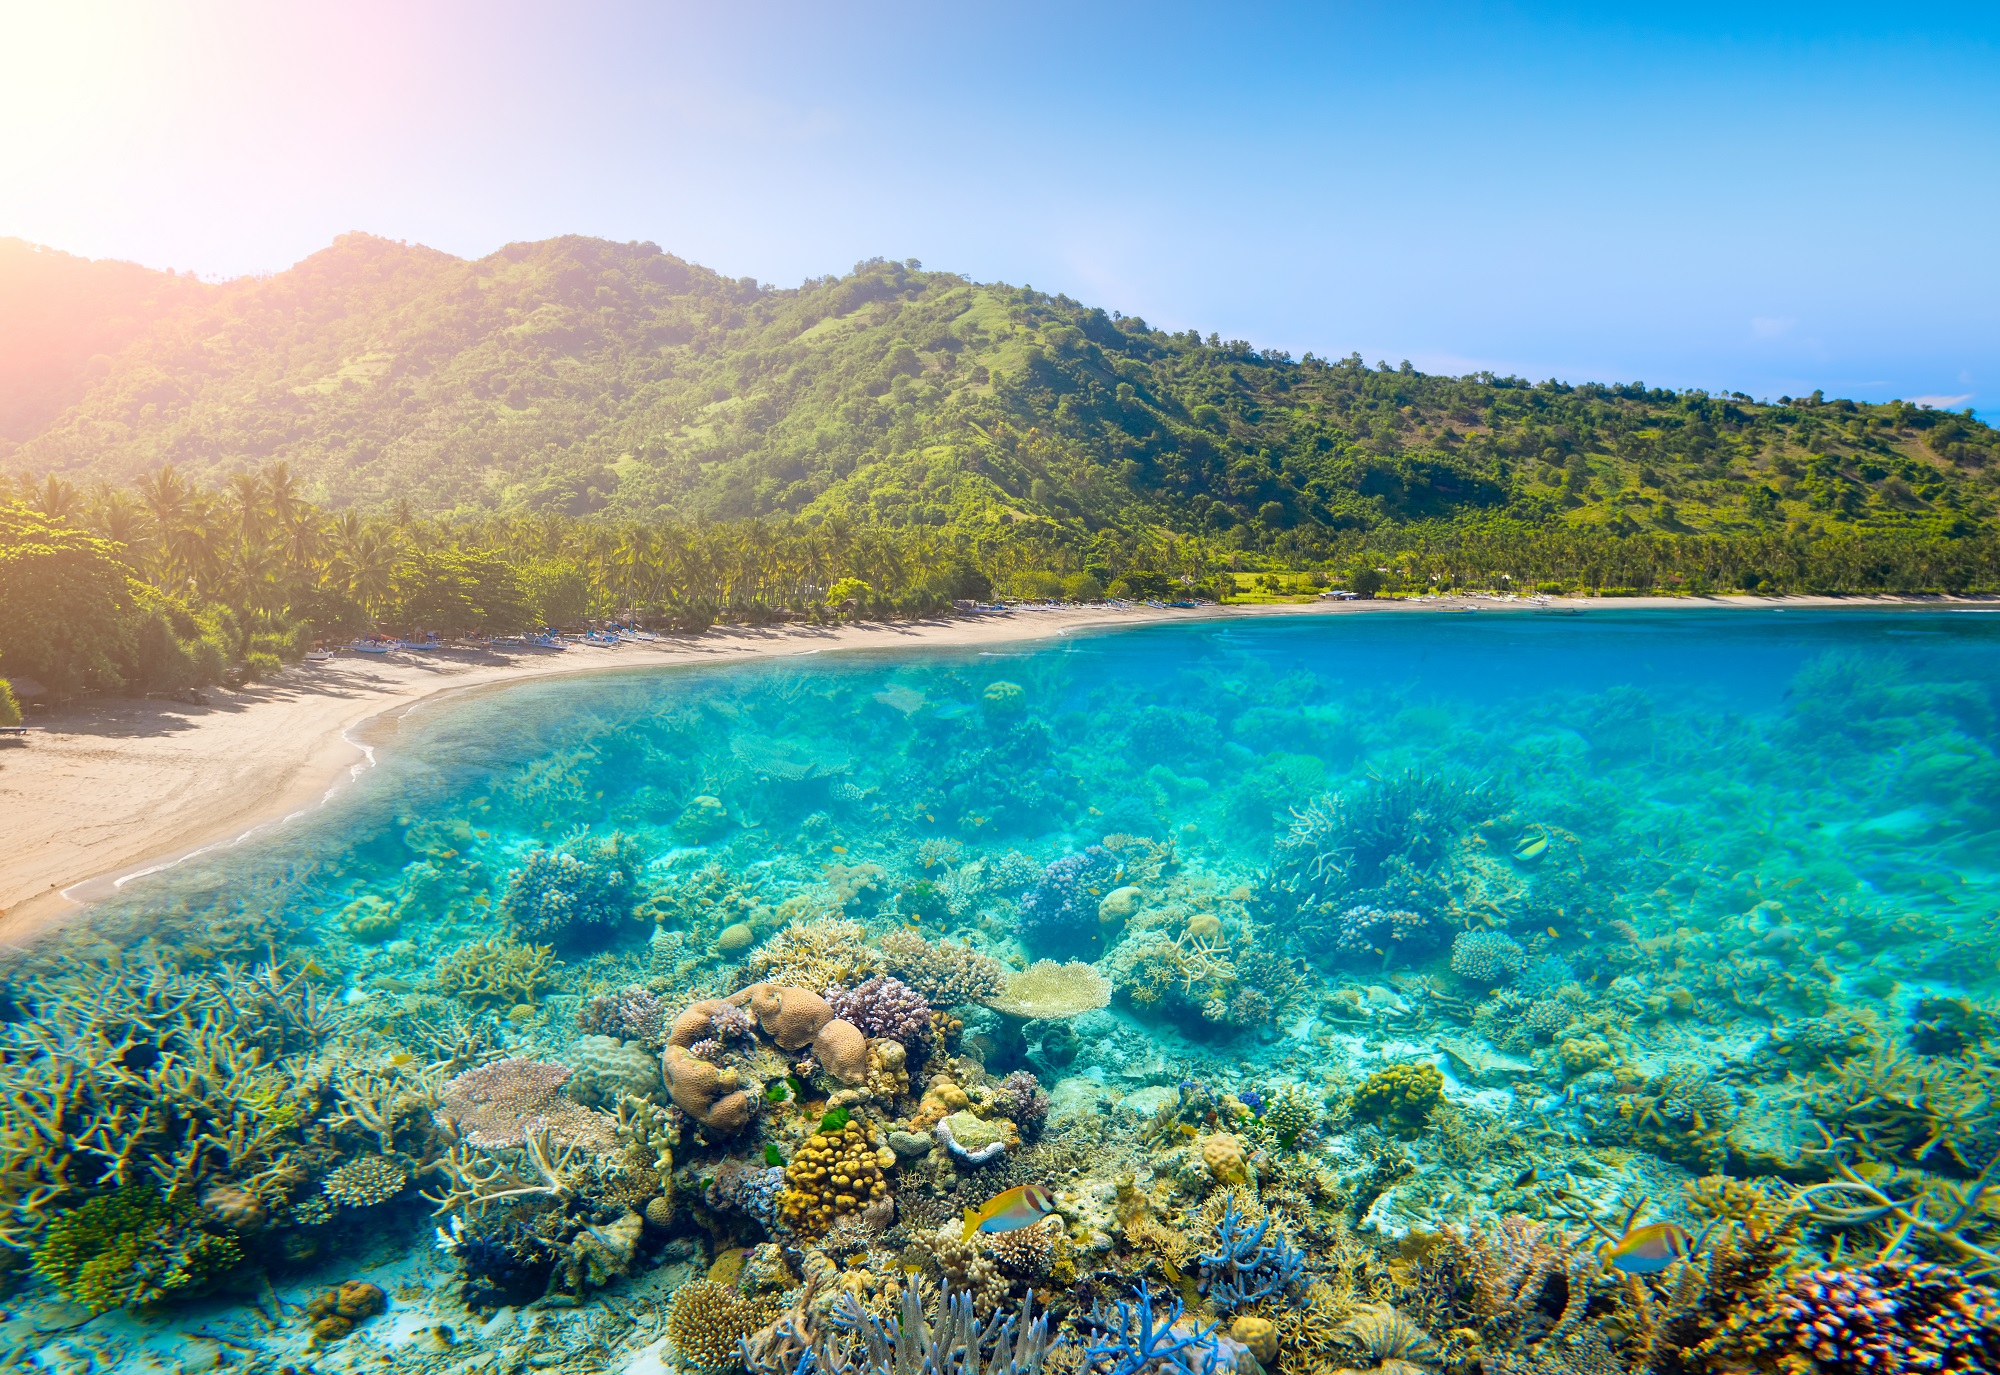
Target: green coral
1290	1116
132	1247
497	973
1399	1099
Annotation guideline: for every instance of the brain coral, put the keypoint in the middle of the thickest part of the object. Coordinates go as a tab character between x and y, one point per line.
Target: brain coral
789	1016
709	1095
365	1182
842	1051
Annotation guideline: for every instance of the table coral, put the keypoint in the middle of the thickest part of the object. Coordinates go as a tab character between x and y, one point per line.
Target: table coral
1046	989
500	1105
365	1182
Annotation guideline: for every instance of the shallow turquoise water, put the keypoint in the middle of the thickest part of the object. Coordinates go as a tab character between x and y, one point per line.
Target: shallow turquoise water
1845	755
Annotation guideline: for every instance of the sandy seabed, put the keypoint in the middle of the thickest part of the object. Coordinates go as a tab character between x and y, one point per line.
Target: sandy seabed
102	795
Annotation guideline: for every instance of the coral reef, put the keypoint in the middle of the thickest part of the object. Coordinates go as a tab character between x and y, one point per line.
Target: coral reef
1399	1099
1485	956
833	1174
947	975
631	1014
1672	1050
1240	1267
574	902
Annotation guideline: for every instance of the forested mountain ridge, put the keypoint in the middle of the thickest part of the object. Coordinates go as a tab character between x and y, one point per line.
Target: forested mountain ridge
579	376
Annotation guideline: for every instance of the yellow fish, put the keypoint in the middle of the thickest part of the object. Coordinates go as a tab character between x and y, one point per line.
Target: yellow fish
1648	1250
1532	848
1019	1207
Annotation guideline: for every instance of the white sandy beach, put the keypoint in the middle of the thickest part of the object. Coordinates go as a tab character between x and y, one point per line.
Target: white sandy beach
105	793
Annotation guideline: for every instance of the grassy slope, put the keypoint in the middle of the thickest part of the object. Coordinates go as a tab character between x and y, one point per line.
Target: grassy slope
579	375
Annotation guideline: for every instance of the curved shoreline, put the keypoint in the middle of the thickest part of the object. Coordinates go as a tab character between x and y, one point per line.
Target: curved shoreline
86	818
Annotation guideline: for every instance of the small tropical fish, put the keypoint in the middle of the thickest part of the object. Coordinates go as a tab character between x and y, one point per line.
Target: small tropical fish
401	1058
840	849
1532	847
1022	1206
1528	1176
1648	1250
1554	934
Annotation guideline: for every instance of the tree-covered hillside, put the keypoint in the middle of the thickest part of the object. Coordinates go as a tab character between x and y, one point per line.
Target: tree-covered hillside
576	376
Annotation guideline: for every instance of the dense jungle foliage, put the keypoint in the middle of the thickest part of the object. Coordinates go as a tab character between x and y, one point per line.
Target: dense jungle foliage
384	436
576	376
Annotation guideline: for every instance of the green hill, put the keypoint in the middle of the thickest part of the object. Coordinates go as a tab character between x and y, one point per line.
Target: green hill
578	376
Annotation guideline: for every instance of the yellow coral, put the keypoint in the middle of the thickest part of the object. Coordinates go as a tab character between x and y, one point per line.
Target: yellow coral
1399	1098
1223	1155
707	1321
497	973
832	1174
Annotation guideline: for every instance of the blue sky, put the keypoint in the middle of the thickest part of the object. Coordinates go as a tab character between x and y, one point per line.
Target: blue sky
1768	199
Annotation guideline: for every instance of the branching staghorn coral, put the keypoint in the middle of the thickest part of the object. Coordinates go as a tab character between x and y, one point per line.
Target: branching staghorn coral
846	1339
127	1075
1940	1213
474	1179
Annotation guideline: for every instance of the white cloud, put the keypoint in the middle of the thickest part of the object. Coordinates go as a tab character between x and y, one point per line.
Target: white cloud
1770	326
1943	403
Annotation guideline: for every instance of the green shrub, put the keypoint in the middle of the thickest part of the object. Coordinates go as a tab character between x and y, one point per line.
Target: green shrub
1081	587
10	710
260	664
850	590
1037	586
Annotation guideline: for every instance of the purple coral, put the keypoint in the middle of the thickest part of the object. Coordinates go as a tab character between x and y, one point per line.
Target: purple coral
1894	1316
884	1007
1059	914
1021	1098
732	1025
749	1189
630	1014
1364	930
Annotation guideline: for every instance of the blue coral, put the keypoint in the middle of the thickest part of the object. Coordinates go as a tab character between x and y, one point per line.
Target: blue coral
1243	1268
1059	914
1135	1342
